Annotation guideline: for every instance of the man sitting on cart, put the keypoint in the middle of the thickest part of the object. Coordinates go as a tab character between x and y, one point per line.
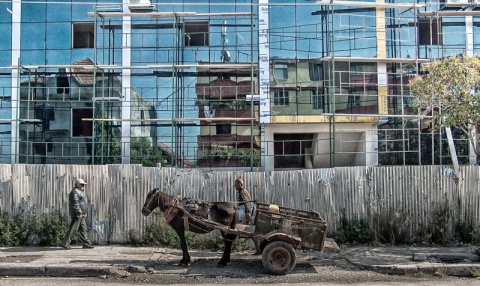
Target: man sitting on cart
246	209
244	202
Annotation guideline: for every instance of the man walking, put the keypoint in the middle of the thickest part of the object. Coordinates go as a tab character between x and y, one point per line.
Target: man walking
77	202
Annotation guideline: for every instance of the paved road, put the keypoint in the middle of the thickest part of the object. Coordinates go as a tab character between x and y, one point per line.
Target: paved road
51	281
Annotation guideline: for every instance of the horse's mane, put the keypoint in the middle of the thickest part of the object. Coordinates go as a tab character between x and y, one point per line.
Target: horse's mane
163	200
201	207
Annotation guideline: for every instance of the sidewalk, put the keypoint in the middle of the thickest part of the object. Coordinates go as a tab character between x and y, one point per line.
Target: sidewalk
453	261
118	260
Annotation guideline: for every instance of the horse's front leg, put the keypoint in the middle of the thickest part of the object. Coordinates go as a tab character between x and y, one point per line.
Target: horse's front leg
183	244
228	240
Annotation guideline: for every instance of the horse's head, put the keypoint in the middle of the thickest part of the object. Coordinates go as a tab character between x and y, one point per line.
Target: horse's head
151	202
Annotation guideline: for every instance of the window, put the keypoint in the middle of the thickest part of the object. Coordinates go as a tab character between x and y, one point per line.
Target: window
196	33
407	98
83	35
354	99
316	71
62	83
224	129
280	98
318	100
357	68
361	68
429	32
81	128
280	72
45	114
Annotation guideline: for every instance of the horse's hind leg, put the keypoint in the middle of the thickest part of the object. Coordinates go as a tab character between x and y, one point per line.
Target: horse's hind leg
228	240
183	244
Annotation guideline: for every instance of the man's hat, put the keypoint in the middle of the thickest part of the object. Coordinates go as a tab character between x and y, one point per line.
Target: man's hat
80	181
240	180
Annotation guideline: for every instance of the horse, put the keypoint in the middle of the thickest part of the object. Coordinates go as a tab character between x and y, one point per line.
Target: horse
180	218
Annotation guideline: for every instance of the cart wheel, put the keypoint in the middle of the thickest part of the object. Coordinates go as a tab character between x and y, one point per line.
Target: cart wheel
278	257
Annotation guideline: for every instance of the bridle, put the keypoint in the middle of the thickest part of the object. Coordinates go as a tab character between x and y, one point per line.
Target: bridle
150	201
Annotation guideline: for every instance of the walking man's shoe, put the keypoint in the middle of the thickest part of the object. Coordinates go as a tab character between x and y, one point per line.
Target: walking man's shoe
66	247
87	246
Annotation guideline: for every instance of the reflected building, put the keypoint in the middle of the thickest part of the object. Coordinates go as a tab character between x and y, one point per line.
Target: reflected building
248	85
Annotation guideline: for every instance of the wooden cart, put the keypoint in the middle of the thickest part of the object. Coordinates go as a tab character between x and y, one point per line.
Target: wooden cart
279	231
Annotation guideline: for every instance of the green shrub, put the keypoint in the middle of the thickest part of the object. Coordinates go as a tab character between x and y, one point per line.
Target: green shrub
475	236
465	232
14	231
51	229
159	233
144	152
355	231
26	228
243	244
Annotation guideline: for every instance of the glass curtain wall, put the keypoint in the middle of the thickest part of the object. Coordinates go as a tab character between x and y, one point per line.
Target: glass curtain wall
100	84
5	81
176	83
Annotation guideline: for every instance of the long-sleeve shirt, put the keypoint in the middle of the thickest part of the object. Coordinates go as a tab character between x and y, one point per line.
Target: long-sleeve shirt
244	199
77	201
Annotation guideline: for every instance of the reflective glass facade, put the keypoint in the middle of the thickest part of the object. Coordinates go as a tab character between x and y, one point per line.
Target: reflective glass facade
246	84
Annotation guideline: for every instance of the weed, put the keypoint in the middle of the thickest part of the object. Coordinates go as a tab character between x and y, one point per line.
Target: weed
393	226
439	219
475	272
355	231
442	272
418	274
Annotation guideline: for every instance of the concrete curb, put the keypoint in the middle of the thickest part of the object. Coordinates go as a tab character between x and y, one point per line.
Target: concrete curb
62	271
441	269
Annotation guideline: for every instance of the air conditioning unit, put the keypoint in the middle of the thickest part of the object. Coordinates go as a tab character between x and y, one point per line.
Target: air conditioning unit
456	3
143	5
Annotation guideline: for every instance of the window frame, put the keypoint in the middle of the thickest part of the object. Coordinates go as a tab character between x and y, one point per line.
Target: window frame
80	28
196	38
280	71
315	71
281	98
318	100
224	128
354	99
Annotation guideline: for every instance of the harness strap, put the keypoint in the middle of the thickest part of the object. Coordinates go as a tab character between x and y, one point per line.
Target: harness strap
171	211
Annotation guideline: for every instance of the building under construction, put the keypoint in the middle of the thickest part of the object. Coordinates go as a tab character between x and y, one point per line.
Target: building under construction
254	85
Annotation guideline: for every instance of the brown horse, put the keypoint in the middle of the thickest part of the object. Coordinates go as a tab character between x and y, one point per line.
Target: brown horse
178	216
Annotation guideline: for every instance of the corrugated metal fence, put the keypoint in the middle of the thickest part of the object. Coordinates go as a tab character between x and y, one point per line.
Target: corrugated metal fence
117	192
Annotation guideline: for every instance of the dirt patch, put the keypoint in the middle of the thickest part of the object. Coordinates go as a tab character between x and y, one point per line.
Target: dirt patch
329	268
19	258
